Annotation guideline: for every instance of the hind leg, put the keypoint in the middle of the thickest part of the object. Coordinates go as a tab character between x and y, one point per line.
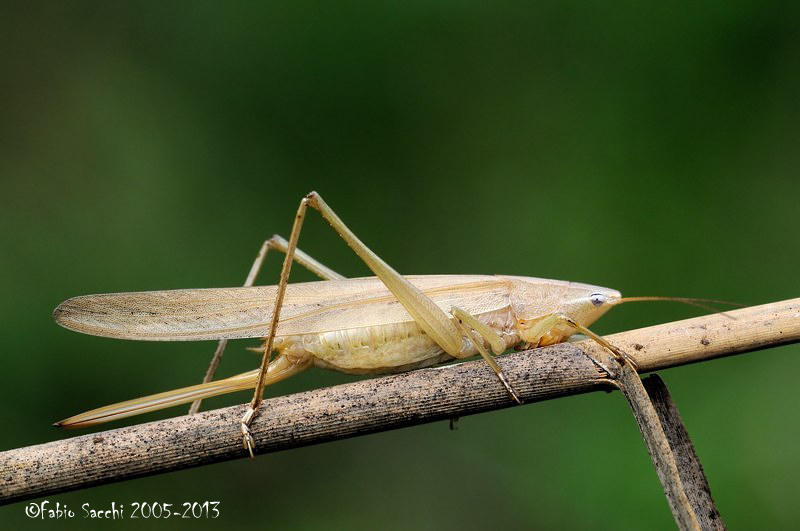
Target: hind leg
279	244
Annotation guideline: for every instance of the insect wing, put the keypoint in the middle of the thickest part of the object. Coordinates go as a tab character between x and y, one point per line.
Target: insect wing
309	307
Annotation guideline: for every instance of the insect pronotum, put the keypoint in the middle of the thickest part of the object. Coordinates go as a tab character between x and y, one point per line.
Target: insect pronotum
382	324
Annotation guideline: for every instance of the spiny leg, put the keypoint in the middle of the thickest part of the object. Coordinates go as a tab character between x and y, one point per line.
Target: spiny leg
621	357
279	244
477	331
544	325
278	369
291	248
432	319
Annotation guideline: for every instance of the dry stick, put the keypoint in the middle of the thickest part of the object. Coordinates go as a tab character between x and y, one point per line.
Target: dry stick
658	447
380	404
689	468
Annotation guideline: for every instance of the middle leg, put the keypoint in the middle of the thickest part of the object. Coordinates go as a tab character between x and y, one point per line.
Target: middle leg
477	332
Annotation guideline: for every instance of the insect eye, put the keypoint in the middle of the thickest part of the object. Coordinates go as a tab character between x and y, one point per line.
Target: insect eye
598	299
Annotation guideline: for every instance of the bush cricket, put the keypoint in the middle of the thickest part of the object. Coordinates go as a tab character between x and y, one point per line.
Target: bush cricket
382	324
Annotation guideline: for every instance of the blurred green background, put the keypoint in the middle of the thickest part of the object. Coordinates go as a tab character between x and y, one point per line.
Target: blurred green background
644	146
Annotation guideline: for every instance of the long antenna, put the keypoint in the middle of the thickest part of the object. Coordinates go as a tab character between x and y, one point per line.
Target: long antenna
700	303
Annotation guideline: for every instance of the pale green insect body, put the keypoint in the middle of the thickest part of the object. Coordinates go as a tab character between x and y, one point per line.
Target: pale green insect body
351	325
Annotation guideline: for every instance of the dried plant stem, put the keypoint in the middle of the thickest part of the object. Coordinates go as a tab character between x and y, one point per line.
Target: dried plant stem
691	472
658	447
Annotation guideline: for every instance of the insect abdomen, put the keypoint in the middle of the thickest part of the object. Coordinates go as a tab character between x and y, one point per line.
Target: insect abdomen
388	348
373	349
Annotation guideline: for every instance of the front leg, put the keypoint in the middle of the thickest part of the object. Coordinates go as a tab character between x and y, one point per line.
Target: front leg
543	326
